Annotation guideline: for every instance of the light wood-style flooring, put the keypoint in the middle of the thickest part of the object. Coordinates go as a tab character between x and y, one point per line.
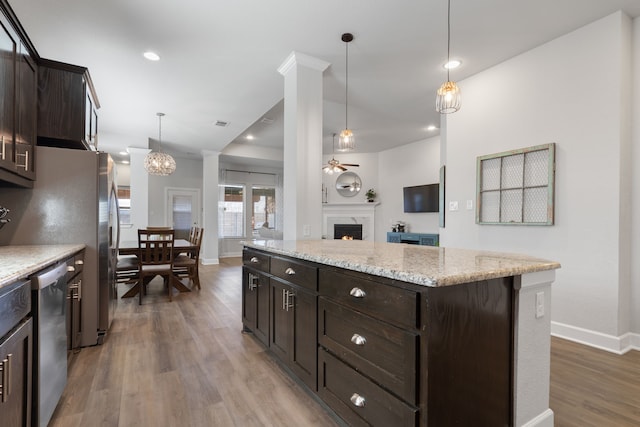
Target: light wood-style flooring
186	363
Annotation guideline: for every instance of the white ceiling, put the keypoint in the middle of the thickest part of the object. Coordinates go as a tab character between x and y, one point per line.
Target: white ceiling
219	60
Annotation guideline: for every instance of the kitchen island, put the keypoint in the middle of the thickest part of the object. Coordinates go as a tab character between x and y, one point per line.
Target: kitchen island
396	334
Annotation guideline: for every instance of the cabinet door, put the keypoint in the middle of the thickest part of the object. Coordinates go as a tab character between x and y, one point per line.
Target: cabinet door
26	89
281	337
249	299
7	100
15	378
255	305
304	355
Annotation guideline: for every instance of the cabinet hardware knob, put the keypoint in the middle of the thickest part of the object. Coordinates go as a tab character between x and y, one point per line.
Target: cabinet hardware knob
358	400
80	262
357	293
290	271
71	268
358	339
255	260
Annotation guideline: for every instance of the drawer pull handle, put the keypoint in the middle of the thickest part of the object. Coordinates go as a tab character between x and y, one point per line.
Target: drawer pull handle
357	293
358	400
358	339
290	271
5	387
255	260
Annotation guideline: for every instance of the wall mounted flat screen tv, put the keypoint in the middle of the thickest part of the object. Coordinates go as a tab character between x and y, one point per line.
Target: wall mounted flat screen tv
422	198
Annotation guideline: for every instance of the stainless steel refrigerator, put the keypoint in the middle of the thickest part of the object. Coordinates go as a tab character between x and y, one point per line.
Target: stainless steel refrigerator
74	200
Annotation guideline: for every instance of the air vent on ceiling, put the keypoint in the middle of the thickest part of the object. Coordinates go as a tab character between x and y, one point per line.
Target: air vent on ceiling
266	120
221	123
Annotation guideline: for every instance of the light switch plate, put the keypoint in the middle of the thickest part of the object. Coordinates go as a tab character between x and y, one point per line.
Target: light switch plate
469	205
453	205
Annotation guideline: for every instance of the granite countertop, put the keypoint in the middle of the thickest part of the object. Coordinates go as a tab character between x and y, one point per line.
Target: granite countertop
423	265
18	262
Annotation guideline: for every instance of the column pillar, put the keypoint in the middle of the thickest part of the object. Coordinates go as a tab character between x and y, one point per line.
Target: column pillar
209	247
302	180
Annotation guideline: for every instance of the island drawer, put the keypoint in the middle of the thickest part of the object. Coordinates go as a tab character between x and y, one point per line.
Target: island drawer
298	273
358	400
389	303
256	260
383	352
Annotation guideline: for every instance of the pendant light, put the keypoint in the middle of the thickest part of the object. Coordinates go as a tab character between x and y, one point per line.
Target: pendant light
346	141
448	96
157	162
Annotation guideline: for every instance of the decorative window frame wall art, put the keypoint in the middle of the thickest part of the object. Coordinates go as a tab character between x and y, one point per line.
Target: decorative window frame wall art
516	187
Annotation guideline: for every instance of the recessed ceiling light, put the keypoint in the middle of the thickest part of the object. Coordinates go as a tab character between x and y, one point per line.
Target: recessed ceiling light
124	153
454	63
151	56
125	162
249	137
431	127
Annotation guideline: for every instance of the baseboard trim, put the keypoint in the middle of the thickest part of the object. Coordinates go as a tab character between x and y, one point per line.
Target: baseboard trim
611	343
209	261
545	419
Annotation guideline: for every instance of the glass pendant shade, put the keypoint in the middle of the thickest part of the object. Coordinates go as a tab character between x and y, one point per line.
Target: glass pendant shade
448	98
158	163
346	141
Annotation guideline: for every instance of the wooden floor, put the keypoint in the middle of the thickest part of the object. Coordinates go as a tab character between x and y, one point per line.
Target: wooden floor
186	363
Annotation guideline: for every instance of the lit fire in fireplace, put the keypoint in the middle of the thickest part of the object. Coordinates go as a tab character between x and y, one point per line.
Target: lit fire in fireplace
347	237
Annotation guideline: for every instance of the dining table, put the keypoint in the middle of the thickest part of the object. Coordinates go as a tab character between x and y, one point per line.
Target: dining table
130	247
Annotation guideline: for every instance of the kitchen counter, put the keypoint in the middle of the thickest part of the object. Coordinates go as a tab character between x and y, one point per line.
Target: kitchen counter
471	329
422	265
17	262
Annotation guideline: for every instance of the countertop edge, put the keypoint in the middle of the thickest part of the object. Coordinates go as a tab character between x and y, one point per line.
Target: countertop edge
528	265
45	255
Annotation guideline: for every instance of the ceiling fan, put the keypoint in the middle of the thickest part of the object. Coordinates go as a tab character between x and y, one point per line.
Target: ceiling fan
335	166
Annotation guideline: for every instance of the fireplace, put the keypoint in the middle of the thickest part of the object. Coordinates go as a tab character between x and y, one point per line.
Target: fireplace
347	231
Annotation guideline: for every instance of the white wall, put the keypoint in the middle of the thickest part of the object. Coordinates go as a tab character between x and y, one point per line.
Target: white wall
417	163
367	171
635	156
188	174
569	91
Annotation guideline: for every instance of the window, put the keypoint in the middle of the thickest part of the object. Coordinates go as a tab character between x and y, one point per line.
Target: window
124	204
264	208
231	221
516	187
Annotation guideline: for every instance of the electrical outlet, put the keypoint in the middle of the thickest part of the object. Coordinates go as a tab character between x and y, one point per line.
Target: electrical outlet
306	230
469	205
539	305
453	205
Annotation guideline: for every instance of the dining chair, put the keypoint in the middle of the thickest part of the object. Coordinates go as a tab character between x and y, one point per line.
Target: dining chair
155	258
187	265
127	269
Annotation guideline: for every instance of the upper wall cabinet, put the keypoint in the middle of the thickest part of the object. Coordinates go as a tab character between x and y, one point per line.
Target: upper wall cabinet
67	106
18	103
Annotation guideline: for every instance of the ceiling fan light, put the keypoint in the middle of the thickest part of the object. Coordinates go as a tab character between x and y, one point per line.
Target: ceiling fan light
448	98
346	141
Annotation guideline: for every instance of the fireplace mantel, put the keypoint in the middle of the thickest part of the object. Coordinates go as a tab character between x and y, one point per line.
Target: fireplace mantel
349	213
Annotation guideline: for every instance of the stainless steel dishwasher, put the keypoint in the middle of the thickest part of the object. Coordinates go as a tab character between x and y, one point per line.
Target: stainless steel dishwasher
49	293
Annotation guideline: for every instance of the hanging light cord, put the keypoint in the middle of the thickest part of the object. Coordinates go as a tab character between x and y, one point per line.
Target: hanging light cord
346	89
448	37
160	131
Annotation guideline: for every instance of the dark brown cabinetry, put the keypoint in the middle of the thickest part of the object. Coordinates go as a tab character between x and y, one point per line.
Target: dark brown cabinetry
67	106
16	344
74	299
280	307
389	352
255	304
18	82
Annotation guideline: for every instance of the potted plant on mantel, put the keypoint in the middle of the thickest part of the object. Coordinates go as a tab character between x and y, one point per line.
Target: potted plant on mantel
371	195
